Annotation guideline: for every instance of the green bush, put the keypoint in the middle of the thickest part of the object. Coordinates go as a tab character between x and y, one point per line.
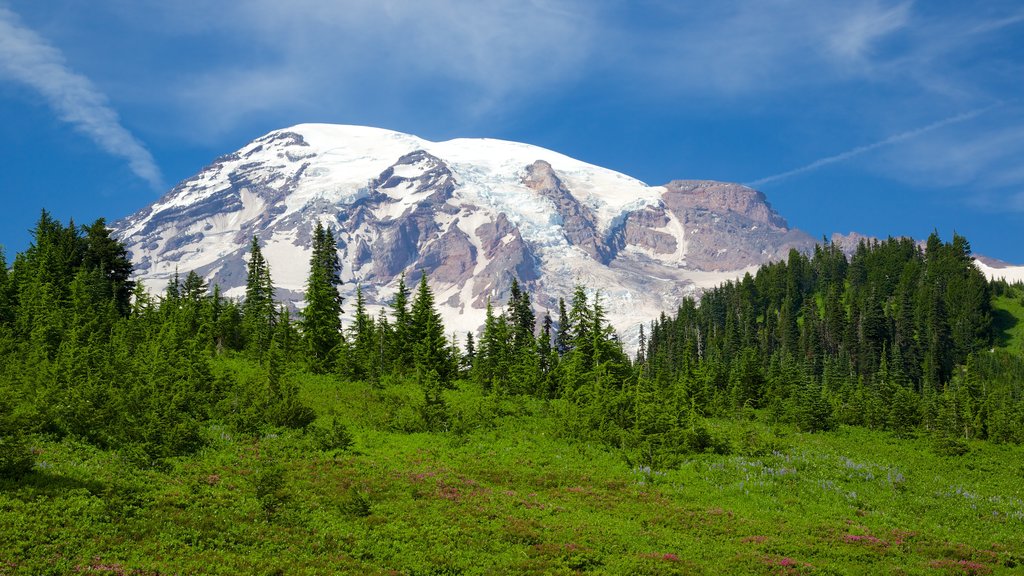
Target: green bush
356	503
15	456
268	485
336	438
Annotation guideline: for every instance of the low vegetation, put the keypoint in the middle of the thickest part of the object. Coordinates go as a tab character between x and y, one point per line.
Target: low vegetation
826	416
504	491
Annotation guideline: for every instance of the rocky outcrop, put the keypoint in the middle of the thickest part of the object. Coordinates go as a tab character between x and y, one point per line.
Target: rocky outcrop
472	214
721	198
578	222
645	228
507	256
730	226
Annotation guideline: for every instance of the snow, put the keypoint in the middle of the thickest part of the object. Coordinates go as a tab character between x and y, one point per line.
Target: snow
1011	274
468	223
705	280
289	263
335	167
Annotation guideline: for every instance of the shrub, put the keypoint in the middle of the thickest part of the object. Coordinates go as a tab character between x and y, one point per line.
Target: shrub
335	439
268	484
356	503
15	457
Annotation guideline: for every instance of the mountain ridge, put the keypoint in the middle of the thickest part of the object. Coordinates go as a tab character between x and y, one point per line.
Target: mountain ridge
471	213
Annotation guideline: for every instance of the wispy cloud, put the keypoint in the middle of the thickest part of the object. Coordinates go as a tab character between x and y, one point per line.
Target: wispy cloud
737	48
463	60
979	160
28	58
894	139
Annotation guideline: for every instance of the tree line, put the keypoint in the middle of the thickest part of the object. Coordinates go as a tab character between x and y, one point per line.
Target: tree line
895	337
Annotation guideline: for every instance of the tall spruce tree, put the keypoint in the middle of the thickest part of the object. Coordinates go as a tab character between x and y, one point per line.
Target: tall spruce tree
364	339
400	343
6	297
259	314
563	340
431	354
321	318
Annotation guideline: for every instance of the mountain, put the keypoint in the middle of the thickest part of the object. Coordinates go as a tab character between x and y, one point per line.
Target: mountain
472	213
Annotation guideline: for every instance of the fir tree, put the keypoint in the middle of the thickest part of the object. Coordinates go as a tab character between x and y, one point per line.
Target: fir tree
431	357
321	318
400	343
6	296
563	341
258	309
364	340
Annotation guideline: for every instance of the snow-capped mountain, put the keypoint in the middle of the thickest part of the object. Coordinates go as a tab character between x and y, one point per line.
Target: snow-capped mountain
472	213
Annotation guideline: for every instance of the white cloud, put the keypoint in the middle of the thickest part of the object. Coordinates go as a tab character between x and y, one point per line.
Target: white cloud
859	150
738	48
982	159
27	58
322	58
856	35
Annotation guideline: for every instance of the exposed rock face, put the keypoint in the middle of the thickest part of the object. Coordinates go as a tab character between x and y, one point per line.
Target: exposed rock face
473	214
729	225
507	256
643	229
722	198
579	225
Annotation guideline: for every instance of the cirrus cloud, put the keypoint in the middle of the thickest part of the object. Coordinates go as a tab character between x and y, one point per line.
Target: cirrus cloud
27	58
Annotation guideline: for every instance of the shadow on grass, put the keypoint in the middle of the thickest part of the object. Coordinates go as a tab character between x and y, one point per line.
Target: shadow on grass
42	483
1003	322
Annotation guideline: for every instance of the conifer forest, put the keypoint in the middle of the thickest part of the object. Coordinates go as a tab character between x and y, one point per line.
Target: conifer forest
830	414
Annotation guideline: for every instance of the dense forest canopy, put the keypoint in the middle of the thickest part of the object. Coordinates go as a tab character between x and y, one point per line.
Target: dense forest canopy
898	336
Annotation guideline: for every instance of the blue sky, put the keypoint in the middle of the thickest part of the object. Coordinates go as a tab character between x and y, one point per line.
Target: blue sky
885	118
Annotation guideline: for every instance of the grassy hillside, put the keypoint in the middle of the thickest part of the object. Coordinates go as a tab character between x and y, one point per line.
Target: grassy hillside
1008	321
500	492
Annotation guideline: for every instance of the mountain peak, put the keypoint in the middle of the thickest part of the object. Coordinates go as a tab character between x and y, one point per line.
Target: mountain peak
472	213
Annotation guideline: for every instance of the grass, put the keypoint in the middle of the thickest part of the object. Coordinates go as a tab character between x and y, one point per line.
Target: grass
1008	321
502	493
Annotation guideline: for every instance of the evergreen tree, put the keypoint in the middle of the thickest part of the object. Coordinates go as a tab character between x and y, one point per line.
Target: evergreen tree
364	340
6	292
431	357
400	343
109	257
469	357
383	350
321	318
525	361
258	309
544	347
493	358
563	341
521	318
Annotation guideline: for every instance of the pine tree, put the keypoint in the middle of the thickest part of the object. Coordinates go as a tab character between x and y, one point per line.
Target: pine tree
493	357
525	361
364	339
383	348
563	341
431	357
6	292
544	347
400	343
521	318
469	357
321	318
258	309
103	253
581	335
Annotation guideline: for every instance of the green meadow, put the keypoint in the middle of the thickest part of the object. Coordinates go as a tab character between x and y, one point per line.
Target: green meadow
502	492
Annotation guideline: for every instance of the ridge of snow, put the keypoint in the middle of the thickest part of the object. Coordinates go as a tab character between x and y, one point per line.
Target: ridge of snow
1011	274
280	182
